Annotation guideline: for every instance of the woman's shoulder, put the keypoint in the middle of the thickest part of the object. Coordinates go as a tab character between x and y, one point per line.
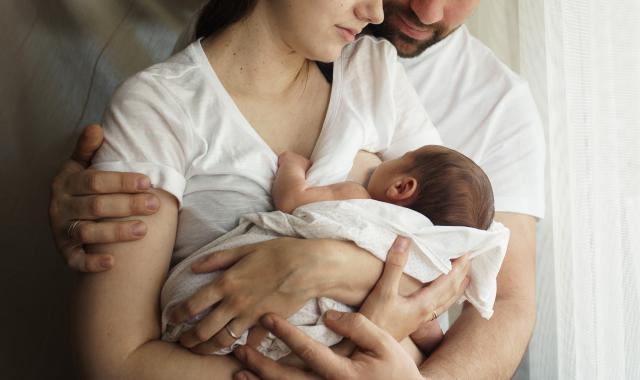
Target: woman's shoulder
179	75
370	50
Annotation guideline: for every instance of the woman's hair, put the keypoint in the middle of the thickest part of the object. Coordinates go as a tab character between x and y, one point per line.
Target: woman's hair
217	15
452	189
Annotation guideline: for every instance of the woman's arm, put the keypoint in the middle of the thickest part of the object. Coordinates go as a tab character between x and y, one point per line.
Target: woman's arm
367	362
117	316
292	271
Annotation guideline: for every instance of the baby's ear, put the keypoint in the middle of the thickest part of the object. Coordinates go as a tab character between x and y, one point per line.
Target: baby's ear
402	190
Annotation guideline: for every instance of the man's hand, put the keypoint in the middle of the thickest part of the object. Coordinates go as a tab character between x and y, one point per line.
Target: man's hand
384	304
80	198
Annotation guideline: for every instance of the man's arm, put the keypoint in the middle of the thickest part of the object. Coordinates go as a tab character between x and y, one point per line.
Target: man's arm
475	348
86	196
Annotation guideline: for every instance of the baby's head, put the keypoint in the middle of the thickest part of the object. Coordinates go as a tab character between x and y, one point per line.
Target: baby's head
440	183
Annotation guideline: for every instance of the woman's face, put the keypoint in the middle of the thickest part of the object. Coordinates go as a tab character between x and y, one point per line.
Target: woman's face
319	29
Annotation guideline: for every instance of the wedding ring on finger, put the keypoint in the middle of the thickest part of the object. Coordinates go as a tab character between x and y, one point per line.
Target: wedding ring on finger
233	335
434	315
72	229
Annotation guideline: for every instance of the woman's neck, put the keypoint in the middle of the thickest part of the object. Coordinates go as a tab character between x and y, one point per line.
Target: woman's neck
250	58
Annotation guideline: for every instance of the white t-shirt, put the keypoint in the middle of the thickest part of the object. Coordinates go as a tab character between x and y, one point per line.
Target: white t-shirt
177	124
484	110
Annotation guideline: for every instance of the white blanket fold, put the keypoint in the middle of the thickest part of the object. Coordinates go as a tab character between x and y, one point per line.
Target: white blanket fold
370	224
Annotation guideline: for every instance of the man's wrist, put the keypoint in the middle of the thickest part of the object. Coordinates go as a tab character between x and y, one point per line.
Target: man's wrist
434	374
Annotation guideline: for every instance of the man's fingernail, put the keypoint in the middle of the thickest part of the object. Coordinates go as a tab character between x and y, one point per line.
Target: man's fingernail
401	244
240	353
152	203
201	261
143	183
139	229
267	321
105	262
241	376
332	315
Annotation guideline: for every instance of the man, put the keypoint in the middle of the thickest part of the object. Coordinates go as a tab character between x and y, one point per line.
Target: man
479	107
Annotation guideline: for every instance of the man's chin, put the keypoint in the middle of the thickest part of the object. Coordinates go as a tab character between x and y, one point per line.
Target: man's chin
408	47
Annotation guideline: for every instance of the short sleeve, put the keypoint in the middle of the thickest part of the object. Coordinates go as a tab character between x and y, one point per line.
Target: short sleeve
514	162
146	131
413	127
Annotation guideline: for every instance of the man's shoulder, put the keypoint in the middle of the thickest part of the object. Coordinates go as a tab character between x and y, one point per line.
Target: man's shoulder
464	58
486	59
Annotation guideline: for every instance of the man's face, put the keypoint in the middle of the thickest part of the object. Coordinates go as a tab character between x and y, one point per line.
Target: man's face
414	25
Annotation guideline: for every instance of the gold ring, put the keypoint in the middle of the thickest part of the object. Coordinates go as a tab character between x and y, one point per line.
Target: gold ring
434	316
71	229
231	332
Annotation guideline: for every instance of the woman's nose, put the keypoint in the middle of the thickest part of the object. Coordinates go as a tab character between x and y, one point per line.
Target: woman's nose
428	11
371	11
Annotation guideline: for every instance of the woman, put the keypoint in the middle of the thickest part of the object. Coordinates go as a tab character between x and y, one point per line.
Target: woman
206	126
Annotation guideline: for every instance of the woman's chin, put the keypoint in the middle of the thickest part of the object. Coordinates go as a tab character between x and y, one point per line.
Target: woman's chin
329	54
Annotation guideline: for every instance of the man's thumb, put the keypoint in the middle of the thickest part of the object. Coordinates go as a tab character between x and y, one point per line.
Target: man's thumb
87	144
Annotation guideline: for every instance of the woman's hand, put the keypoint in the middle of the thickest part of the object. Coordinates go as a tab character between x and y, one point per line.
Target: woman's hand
379	355
276	276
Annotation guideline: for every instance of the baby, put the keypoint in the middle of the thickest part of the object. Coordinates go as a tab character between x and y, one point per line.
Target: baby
436	181
440	183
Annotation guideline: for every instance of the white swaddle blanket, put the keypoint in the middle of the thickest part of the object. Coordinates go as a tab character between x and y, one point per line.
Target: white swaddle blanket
370	224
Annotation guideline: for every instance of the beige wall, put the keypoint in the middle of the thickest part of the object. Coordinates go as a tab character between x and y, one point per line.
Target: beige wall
60	61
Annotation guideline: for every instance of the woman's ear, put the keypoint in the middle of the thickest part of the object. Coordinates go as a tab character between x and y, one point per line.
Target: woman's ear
402	190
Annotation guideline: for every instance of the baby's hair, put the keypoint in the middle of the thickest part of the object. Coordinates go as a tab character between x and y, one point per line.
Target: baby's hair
452	189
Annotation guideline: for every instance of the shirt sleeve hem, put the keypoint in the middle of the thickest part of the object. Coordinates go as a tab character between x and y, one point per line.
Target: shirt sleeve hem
519	205
161	176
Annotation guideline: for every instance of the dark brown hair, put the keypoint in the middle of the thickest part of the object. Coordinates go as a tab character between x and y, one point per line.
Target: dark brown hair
452	189
217	15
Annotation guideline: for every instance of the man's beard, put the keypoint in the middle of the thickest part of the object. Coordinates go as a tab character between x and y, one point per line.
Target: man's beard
407	47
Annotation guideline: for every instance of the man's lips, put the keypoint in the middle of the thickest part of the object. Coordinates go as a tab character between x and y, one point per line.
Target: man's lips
409	29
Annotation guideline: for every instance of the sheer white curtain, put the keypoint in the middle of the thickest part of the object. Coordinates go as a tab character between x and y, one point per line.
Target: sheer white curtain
582	59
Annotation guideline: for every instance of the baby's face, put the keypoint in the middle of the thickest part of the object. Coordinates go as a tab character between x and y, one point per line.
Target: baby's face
387	173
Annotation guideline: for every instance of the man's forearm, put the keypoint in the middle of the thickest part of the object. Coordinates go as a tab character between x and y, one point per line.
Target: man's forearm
476	348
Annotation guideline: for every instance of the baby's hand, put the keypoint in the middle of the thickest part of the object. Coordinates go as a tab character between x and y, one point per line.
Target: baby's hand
290	158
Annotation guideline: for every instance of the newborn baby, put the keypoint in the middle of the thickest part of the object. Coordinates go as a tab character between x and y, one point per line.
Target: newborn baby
442	184
438	182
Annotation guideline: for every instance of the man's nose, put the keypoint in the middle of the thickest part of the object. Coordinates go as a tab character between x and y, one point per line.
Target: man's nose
428	11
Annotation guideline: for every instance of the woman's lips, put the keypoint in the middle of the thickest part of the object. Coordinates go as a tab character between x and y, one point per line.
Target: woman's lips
407	28
348	34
